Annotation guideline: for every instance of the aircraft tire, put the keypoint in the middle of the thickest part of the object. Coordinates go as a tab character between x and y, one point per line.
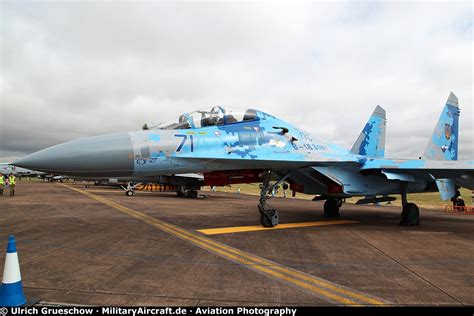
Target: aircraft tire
410	215
191	194
266	219
129	193
331	208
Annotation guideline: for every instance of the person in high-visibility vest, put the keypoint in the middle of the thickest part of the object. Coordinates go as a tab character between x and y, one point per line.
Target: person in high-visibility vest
2	182
12	182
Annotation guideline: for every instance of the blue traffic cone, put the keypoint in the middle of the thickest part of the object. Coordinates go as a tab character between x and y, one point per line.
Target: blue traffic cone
11	290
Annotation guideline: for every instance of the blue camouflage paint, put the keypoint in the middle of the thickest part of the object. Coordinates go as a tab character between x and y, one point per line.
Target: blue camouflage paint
252	140
246	138
368	147
154	137
367	131
443	144
255	140
371	141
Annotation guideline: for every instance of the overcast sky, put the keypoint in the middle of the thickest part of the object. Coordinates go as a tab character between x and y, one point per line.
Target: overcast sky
76	69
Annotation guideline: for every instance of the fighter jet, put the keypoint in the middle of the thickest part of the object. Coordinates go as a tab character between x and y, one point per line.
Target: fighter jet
7	168
249	146
185	185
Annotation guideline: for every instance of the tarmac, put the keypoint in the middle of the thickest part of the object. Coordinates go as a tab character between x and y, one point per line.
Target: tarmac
97	246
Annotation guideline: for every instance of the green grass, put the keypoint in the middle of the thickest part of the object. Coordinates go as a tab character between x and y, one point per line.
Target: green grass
430	199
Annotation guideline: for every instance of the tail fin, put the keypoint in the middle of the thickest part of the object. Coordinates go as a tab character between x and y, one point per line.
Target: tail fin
443	144
371	141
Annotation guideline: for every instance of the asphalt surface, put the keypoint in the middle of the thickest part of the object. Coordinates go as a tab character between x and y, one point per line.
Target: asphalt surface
97	246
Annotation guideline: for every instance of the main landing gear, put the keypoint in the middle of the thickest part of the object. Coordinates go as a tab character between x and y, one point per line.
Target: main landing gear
331	207
410	212
268	217
184	193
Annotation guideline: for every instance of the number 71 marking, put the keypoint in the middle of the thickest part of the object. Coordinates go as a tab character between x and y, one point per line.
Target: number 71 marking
183	141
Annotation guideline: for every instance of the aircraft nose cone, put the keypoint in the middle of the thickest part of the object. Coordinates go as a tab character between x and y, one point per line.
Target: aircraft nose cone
108	155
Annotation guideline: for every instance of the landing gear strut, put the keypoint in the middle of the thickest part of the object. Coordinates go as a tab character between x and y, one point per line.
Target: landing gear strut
331	207
410	212
129	190
268	217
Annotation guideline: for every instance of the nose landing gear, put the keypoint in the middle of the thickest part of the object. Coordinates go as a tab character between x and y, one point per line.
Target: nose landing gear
268	217
130	189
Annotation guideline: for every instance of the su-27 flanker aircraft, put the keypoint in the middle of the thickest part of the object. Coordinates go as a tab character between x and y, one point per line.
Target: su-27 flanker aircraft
252	146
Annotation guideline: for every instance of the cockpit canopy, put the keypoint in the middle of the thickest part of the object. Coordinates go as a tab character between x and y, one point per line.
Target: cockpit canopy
215	117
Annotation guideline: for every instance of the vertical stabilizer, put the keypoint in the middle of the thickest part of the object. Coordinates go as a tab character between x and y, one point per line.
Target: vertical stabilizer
443	144
371	141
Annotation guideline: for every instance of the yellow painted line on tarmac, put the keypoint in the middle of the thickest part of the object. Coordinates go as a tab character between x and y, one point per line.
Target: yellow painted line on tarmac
118	190
329	291
241	229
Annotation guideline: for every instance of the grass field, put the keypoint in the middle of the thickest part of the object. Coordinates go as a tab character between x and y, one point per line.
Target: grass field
431	199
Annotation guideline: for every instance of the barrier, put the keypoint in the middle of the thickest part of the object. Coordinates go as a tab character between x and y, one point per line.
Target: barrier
459	209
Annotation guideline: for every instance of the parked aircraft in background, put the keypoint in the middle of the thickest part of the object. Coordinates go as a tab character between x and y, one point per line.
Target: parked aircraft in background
185	185
253	146
7	168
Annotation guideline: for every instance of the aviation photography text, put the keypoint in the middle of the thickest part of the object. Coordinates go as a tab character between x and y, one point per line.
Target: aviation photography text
148	311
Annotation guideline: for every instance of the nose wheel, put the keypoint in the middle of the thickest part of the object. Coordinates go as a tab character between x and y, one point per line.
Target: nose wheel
129	189
269	218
